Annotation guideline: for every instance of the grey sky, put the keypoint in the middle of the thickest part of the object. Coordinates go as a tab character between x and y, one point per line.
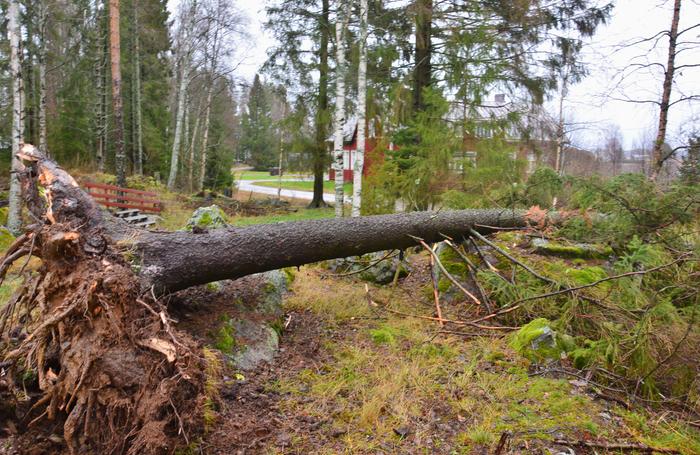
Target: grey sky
588	101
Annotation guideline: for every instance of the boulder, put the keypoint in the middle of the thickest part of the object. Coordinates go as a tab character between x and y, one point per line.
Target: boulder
211	217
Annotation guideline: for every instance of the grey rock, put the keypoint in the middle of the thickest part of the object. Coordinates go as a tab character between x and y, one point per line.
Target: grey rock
261	343
203	218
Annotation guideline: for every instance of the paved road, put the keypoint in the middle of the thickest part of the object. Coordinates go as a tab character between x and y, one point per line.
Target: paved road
247	186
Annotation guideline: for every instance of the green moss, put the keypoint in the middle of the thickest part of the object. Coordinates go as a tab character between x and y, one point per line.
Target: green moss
586	275
6	238
225	339
289	274
537	341
579	250
3	215
384	335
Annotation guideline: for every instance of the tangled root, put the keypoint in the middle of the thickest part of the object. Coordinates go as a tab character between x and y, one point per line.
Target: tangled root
107	362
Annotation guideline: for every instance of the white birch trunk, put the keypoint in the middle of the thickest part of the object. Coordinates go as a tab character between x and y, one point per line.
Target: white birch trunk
359	161
191	148
339	119
14	214
180	110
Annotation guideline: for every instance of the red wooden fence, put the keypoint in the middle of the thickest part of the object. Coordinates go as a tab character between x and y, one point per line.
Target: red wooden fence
124	198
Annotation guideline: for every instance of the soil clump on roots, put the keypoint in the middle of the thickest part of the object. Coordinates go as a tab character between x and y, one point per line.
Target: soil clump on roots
83	345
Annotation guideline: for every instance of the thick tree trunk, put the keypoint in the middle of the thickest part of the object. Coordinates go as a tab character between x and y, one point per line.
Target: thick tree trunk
657	155
422	69
176	260
14	214
339	118
359	161
115	59
319	156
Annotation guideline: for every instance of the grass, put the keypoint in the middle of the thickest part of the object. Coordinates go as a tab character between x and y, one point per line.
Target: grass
383	372
299	215
260	175
328	187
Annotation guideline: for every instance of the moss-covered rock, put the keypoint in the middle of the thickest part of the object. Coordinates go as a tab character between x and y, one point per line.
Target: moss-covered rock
537	341
211	217
578	250
382	272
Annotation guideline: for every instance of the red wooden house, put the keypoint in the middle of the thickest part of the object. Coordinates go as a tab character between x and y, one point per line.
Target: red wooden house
350	148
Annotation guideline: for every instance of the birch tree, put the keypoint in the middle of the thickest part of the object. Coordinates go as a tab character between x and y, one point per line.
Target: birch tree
14	214
339	118
184	55
115	58
358	165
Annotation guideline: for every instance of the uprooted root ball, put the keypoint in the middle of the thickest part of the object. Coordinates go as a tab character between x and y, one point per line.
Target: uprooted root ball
107	362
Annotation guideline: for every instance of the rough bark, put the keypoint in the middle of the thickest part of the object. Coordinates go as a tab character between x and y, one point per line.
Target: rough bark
422	68
176	260
319	151
14	214
43	16
117	108
138	131
339	118
359	162
657	155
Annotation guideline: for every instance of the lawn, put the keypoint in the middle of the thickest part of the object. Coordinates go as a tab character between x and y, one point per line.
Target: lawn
301	214
328	187
260	175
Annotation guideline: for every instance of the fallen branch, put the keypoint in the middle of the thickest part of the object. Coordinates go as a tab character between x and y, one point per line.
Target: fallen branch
615	446
684	258
449	276
471	268
384	307
511	258
436	289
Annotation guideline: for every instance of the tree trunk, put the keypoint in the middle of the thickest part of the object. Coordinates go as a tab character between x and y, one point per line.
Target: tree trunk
115	58
43	16
138	156
319	156
214	60
658	157
191	147
14	214
179	116
422	69
359	162
339	119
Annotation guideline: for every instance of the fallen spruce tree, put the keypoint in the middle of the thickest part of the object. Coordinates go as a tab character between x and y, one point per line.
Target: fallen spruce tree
90	324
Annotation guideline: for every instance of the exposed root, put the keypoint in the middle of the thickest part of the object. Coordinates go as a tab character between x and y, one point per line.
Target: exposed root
104	359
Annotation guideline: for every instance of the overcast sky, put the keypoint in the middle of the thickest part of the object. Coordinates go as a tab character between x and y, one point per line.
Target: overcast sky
589	102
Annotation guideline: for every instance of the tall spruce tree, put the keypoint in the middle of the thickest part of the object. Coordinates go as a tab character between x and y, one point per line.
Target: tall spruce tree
257	142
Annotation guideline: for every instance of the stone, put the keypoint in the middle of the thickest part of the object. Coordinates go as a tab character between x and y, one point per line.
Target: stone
537	341
204	218
381	273
578	250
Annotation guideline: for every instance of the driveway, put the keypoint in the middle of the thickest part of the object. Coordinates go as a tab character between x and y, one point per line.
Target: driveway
249	186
